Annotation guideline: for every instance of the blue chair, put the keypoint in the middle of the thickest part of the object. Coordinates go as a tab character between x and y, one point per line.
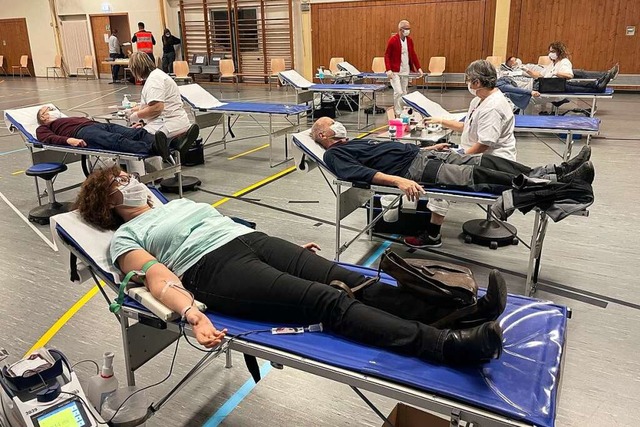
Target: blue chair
47	172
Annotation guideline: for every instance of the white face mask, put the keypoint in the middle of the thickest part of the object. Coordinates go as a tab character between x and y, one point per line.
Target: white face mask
406	32
339	130
553	56
54	114
471	91
134	194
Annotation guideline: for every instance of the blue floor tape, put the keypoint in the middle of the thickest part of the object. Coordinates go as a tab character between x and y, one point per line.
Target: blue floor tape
235	400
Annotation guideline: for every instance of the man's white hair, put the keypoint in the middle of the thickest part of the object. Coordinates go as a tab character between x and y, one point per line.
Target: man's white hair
403	22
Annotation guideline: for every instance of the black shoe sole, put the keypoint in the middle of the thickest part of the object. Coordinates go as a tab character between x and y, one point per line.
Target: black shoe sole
189	139
161	146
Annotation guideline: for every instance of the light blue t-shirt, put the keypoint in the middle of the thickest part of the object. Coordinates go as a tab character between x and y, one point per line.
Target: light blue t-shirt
177	233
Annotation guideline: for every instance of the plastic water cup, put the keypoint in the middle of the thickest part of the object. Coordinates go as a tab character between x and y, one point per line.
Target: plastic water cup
408	204
387	202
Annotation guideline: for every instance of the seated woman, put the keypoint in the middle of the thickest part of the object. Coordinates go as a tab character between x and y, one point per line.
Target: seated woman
161	108
240	272
561	67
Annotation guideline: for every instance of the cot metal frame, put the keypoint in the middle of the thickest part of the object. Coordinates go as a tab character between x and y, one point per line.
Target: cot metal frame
144	336
69	154
368	94
227	118
351	197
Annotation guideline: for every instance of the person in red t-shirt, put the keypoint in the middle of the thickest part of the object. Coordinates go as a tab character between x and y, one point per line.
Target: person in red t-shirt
400	59
83	132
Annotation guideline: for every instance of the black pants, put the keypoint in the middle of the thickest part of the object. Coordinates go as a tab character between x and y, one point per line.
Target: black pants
109	136
115	69
264	278
167	61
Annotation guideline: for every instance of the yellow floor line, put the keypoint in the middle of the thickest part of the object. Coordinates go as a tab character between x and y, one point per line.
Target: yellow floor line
17	172
371	131
253	150
44	339
255	186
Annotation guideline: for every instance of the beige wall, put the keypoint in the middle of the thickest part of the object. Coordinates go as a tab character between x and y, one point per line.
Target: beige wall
41	34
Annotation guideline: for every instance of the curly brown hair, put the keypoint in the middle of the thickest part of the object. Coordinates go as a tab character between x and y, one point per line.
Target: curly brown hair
93	200
560	48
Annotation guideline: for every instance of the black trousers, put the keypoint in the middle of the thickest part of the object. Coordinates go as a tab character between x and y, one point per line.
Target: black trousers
167	61
115	69
264	278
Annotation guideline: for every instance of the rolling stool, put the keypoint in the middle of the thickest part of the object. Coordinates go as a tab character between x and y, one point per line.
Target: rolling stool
490	232
47	171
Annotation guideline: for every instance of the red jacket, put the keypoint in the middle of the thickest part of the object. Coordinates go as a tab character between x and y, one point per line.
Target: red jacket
394	51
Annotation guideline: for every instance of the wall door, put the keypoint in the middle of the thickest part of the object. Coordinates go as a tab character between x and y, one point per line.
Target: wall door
75	41
100	32
14	42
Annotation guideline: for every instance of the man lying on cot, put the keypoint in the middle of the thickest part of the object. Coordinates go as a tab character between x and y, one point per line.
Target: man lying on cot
240	272
83	132
404	166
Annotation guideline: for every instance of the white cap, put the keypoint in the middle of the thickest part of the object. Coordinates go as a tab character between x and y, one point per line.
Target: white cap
107	365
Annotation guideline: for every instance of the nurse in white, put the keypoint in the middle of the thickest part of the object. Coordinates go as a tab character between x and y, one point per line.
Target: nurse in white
161	107
488	128
489	124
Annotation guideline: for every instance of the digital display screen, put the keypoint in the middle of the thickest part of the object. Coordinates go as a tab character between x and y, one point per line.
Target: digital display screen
67	414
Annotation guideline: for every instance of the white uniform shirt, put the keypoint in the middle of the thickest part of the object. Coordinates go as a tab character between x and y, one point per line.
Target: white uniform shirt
563	66
160	87
114	45
404	57
491	123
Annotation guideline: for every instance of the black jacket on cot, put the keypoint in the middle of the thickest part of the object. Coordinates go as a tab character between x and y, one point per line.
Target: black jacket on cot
358	160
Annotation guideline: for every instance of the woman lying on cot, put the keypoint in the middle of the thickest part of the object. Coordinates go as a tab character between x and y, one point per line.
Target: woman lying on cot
240	272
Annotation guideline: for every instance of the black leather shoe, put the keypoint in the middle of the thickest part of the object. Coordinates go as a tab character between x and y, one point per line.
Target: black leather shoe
488	308
188	140
585	172
572	164
476	345
615	70
603	81
161	146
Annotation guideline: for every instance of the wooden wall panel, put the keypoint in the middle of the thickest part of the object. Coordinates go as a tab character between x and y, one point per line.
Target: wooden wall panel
461	30
594	31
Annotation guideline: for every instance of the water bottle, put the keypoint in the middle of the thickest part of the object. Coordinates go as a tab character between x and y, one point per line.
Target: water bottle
125	102
392	131
321	72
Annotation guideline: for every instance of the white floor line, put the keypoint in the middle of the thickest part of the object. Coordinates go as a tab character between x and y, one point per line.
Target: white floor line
100	97
33	227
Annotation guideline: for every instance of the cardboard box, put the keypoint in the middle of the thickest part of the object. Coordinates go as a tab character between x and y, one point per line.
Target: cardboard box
408	416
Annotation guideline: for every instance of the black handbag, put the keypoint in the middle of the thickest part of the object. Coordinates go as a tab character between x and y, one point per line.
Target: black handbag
439	282
551	85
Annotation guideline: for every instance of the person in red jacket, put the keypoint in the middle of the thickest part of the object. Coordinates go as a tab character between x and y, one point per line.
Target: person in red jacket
400	59
144	41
